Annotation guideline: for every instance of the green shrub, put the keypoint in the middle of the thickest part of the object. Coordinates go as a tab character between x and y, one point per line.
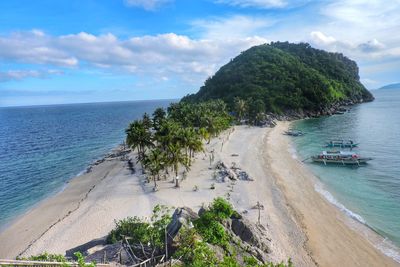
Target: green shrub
141	231
221	208
209	224
46	257
193	251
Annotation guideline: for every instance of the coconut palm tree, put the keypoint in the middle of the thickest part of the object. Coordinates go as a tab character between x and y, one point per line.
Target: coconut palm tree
240	108
175	158
140	138
155	161
159	115
147	123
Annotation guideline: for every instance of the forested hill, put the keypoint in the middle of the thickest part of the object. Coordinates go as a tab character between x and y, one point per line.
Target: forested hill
286	77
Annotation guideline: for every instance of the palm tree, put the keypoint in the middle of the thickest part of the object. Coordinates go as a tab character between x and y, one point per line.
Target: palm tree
240	108
175	158
155	161
140	138
158	117
147	123
194	144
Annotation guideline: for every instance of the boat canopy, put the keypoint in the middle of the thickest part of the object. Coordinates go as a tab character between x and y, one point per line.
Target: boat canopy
338	153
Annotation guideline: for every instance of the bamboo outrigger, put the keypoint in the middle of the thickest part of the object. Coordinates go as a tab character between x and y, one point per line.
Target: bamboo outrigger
341	143
340	157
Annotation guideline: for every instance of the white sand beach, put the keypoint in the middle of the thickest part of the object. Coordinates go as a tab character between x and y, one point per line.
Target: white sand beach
302	225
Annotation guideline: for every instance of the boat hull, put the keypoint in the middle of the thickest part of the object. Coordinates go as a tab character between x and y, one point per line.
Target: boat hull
359	161
342	145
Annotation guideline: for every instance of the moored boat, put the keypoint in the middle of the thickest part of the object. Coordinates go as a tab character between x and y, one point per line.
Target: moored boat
293	133
341	143
340	157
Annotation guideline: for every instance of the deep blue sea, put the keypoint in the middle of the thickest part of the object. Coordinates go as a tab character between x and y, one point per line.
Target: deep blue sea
42	147
369	194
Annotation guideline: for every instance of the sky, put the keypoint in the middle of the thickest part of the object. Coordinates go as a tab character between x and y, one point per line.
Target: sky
78	51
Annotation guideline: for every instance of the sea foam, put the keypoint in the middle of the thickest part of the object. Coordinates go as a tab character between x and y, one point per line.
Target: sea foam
385	245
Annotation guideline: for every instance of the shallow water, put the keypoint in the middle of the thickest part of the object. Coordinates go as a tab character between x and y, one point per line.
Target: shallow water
369	194
42	147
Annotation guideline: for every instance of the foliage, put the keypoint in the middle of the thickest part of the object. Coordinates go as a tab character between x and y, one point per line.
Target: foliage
81	260
221	209
193	251
141	231
171	139
285	77
45	257
60	258
209	224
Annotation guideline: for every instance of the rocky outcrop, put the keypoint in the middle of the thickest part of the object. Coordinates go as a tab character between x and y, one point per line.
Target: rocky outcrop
182	216
246	237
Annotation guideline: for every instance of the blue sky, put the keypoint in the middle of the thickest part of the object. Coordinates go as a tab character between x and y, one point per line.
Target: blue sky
109	50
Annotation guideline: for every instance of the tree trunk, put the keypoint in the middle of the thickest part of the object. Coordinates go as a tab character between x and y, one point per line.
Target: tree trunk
176	177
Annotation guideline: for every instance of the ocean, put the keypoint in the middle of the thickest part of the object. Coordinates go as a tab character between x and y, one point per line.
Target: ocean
42	147
369	194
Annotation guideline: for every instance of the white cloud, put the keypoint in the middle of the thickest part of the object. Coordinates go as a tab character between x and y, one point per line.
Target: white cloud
233	27
150	5
16	75
262	4
320	38
155	55
371	46
33	47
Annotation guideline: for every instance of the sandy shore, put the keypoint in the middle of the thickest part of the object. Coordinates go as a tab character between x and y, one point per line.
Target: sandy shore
301	224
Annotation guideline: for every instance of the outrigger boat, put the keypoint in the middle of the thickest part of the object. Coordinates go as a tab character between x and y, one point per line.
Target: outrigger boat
341	143
294	133
340	157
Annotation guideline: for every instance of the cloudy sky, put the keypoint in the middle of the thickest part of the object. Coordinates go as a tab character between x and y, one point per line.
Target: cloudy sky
71	51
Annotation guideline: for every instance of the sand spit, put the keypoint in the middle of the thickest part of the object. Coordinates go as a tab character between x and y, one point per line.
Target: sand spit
300	223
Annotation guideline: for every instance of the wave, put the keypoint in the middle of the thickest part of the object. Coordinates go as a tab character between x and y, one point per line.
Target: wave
328	196
384	245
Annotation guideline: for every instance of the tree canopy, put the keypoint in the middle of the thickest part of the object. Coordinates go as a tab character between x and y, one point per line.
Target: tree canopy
285	76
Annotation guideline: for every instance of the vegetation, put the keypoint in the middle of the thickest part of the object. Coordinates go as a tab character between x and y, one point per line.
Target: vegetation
169	139
60	258
195	243
282	76
148	234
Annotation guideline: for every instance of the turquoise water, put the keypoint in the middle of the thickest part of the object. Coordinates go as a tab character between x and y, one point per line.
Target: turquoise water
369	194
42	147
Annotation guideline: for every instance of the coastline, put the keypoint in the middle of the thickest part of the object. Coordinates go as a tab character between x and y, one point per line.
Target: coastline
331	233
301	224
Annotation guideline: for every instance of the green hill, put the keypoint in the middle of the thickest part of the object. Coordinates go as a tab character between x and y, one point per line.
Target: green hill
391	86
286	77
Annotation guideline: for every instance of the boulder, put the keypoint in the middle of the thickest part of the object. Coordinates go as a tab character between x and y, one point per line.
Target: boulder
250	233
181	216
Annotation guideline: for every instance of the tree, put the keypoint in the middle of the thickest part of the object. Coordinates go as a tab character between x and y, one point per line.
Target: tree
147	123
155	161
139	137
256	109
159	116
176	157
240	108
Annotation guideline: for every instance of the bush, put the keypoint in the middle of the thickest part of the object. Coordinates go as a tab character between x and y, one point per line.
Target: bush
193	251
46	257
221	208
209	224
141	231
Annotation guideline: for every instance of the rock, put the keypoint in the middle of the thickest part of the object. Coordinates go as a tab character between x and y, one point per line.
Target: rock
231	174
250	234
97	250
181	216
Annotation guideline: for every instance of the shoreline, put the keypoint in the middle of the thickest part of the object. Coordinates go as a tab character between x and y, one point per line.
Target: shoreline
378	240
116	148
89	204
359	235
